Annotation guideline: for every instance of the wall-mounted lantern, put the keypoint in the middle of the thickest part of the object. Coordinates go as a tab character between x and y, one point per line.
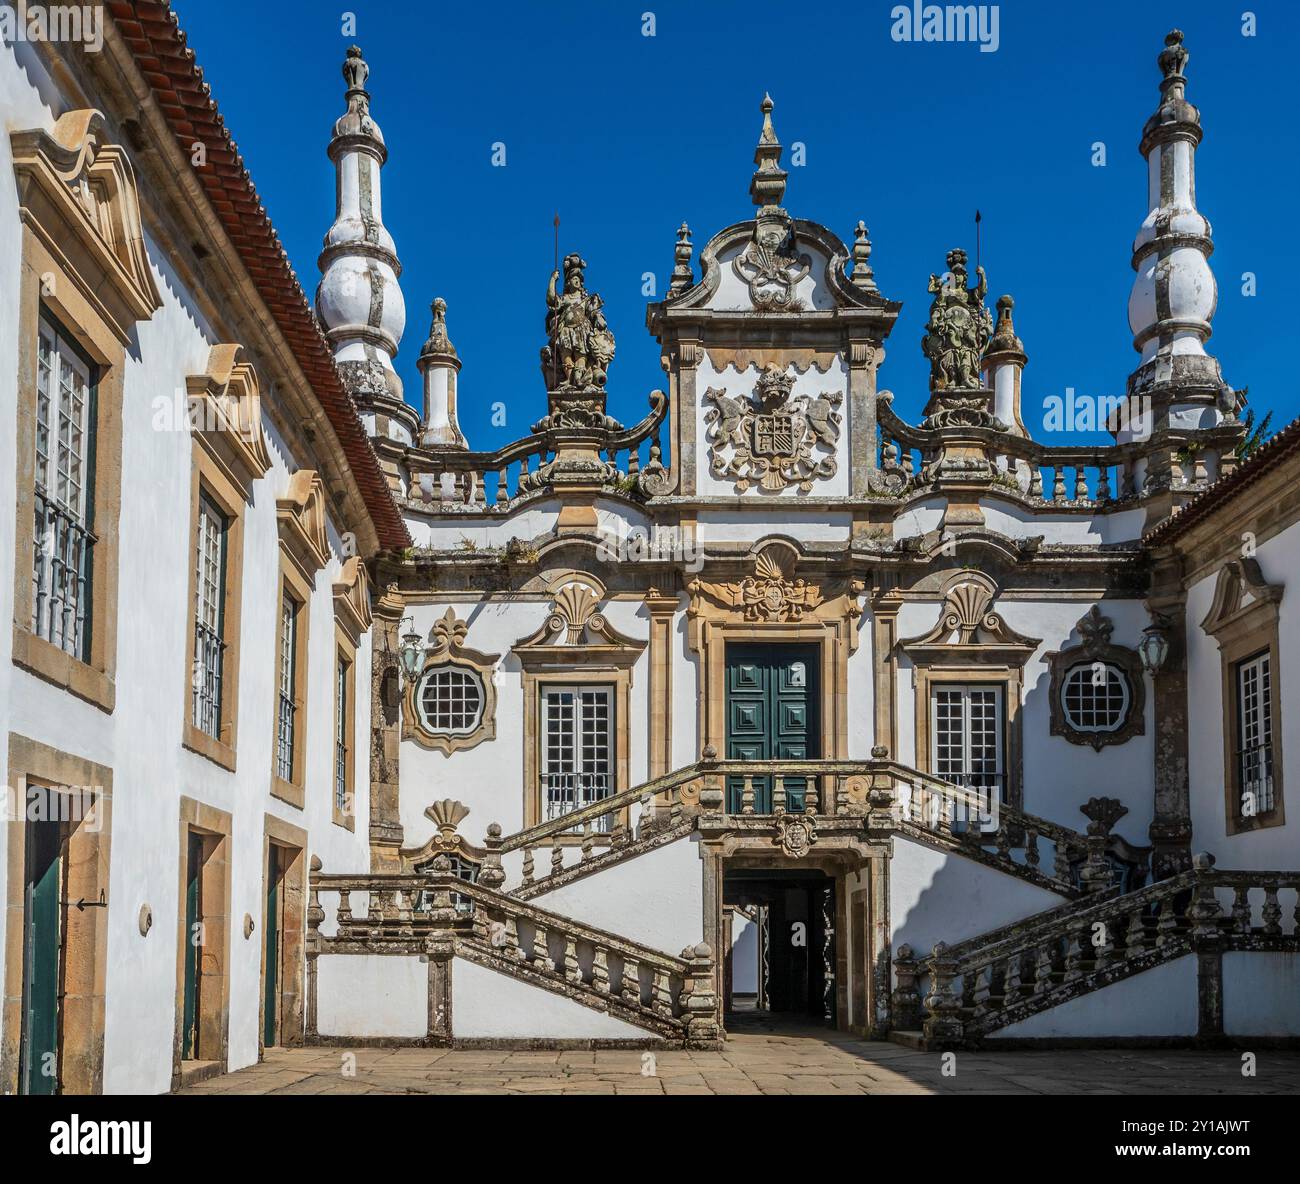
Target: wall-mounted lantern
1153	649
412	649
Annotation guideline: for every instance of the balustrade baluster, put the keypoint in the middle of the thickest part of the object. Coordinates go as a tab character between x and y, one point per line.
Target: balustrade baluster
1035	482
1080	488
512	946
811	796
1060	859
1167	925
1272	912
981	990
1002	841
480	489
630	988
1103	954
572	971
541	951
1241	908
1043	968
600	970
663	996
557	854
778	794
1135	940
1103	484
1058	483
1031	848
1011	980
343	913
528	865
1074	948
633	462
747	795
588	840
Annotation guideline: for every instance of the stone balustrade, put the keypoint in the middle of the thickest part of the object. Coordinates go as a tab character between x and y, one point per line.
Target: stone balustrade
1001	977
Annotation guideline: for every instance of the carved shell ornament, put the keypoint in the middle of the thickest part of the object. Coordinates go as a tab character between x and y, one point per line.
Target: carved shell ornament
768	439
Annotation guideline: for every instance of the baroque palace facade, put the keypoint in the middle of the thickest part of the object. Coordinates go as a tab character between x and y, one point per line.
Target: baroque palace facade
324	726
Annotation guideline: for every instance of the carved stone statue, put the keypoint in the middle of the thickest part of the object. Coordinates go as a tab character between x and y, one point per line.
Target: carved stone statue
581	345
958	329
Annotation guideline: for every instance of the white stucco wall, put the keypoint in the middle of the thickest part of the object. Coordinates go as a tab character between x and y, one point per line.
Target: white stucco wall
935	896
1157	1002
372	995
1269	848
656	899
485	1004
140	740
1261	994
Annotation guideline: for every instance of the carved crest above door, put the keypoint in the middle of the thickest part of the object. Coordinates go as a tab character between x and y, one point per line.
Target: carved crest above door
770	437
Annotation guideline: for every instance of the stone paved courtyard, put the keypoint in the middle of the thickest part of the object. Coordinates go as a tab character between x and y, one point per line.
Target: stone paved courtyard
761	1062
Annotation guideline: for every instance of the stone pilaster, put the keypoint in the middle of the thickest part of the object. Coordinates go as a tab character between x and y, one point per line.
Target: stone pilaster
386	734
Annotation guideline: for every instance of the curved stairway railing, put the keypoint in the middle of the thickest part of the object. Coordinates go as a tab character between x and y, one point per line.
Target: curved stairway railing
964	992
428	914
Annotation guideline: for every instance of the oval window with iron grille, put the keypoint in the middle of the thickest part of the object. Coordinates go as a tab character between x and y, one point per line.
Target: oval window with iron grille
451	701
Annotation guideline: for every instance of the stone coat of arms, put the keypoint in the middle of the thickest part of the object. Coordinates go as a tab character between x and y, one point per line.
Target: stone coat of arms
769	437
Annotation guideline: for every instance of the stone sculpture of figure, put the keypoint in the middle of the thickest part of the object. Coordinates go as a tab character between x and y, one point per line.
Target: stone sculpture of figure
581	345
958	329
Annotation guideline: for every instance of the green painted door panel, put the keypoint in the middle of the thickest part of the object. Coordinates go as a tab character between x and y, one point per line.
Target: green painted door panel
42	952
772	712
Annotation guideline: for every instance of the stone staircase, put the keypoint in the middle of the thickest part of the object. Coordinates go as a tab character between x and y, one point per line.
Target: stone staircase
887	798
442	916
963	993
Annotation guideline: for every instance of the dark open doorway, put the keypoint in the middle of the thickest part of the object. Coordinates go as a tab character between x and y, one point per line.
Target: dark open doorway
780	945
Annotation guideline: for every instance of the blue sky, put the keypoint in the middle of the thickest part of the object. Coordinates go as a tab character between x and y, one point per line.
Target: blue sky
627	136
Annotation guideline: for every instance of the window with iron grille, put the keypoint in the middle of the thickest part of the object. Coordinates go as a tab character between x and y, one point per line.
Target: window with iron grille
63	542
967	725
286	721
451	701
209	611
1095	697
1254	685
341	737
577	749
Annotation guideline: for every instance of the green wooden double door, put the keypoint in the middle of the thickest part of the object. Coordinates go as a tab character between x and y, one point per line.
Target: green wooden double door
773	712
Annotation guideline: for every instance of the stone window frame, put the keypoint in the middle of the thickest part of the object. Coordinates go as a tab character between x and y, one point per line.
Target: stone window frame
293	586
208	480
83	264
1095	630
304	551
82	1060
970	643
1243	620
575	646
345	655
449	651
215	827
352	620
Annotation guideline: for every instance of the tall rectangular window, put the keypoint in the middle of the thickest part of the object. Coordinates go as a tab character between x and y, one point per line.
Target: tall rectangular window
286	721
967	726
577	748
63	541
342	707
209	612
1254	685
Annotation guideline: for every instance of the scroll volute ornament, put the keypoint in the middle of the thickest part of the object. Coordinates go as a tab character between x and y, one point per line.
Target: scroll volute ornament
78	195
301	515
225	412
968	629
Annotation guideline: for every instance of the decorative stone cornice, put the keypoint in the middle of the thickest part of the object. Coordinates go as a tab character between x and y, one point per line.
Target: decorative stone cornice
575	631
1241	595
352	598
78	196
301	518
225	415
968	631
